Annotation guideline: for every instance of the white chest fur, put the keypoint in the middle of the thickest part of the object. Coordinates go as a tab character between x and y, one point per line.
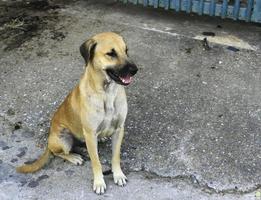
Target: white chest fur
113	116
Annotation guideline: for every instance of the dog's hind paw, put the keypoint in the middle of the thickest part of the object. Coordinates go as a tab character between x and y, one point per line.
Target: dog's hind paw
76	159
99	186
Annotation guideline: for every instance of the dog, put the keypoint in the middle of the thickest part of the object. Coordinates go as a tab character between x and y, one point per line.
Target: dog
95	108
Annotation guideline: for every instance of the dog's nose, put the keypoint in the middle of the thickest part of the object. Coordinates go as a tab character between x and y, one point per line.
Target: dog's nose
132	68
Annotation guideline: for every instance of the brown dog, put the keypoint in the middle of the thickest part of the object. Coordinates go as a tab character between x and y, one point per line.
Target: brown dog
95	108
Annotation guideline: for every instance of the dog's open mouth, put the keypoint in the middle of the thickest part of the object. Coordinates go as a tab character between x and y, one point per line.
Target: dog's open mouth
125	79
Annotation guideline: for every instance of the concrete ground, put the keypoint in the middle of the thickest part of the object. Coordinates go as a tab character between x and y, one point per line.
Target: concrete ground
194	121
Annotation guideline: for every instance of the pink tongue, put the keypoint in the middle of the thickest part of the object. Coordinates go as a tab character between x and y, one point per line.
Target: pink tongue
127	79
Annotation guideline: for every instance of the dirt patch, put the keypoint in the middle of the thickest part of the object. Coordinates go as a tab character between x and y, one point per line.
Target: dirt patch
20	21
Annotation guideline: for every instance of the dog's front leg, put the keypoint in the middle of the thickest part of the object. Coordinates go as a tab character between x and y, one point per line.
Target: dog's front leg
99	185
118	176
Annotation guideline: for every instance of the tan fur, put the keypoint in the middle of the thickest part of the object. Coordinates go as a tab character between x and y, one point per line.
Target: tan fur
96	107
36	165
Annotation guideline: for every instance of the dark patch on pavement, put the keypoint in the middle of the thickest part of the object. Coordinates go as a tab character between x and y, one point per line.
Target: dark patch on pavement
198	75
23	182
22	151
69	172
2	143
10	112
42	177
234	49
59	36
33	184
41	5
209	34
21	154
21	21
17	125
188	50
27	134
5	147
59	169
14	160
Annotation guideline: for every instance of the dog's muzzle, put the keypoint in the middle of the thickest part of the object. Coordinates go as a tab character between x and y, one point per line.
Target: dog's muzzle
124	74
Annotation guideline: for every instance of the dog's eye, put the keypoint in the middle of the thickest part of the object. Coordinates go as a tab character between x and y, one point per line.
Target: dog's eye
126	51
112	54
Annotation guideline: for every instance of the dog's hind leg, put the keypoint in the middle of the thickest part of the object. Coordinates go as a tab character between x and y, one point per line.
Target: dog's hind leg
61	144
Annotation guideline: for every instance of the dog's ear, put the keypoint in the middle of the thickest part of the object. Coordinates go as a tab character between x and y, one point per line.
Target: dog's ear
87	50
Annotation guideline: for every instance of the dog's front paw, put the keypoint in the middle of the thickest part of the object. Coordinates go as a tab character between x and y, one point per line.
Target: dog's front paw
99	186
120	179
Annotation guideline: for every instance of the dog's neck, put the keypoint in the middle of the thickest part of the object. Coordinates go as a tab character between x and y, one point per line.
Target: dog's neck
96	80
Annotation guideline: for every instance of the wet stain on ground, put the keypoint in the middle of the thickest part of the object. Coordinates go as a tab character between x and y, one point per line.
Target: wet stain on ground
27	134
23	182
21	21
17	125
10	112
69	172
35	183
22	151
5	147
14	160
59	36
2	144
42	177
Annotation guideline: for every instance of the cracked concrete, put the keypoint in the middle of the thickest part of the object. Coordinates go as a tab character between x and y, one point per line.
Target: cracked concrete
194	121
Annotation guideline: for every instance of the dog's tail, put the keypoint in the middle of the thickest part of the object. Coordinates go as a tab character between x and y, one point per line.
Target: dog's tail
35	166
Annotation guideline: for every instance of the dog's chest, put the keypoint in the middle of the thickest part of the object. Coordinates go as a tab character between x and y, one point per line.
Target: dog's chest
110	118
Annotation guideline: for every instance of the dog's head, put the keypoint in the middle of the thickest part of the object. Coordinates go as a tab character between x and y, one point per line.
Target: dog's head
108	53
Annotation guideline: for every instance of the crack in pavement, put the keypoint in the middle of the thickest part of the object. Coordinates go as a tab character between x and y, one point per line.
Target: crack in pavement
196	183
